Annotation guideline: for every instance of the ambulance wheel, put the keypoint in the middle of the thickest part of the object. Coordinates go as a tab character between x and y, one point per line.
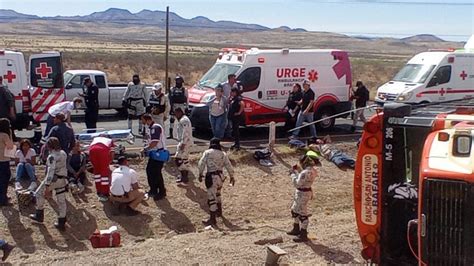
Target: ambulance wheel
327	124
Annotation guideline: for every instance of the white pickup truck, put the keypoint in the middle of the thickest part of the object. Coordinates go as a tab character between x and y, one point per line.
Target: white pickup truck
110	95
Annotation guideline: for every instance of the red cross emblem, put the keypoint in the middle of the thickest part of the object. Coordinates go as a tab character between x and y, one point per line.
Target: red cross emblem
313	75
442	91
463	75
43	70
10	76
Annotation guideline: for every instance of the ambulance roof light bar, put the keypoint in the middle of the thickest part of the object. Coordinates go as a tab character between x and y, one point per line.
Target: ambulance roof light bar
442	50
233	50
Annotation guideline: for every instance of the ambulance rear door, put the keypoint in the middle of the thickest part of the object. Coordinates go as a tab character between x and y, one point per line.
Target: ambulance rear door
463	75
13	72
46	81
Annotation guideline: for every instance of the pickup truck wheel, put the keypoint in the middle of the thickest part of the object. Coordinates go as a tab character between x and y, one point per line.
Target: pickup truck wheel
326	124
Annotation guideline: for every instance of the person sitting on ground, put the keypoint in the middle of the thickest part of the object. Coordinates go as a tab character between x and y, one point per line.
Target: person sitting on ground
76	169
332	153
6	248
25	160
125	187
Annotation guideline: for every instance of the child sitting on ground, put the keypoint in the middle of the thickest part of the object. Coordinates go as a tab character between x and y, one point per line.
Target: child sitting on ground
76	166
25	160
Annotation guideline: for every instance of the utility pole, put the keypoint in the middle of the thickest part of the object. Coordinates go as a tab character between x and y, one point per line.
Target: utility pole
167	48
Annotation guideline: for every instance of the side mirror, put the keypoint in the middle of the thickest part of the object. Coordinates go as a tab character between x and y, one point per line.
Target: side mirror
69	86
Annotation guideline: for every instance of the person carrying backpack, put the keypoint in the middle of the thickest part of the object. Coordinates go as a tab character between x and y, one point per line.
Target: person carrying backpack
361	95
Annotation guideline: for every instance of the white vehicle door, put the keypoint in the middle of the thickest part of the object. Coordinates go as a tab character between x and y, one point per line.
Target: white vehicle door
9	70
46	80
439	87
103	91
75	86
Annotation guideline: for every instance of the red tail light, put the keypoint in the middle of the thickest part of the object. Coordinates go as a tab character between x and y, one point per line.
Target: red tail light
368	253
26	100
371	127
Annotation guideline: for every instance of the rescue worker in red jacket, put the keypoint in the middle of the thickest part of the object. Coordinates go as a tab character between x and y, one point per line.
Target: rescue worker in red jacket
101	154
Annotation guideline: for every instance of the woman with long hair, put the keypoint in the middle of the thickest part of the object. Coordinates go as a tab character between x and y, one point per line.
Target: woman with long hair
25	160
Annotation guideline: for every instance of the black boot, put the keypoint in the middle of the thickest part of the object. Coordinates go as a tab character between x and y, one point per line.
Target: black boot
219	210
295	231
7	249
38	216
171	134
184	176
183	179
211	221
303	236
60	224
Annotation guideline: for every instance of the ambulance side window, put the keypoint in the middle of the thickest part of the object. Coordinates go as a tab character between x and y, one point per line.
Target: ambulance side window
77	82
250	78
442	76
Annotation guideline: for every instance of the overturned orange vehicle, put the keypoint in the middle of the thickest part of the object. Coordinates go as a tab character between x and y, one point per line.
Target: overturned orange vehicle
414	185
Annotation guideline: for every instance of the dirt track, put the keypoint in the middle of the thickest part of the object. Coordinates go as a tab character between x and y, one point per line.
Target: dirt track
170	231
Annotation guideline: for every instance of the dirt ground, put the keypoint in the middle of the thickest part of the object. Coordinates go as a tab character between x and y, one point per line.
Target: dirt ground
170	231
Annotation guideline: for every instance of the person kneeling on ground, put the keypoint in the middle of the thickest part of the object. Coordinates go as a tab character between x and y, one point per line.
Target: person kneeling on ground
56	179
124	188
303	177
76	169
101	154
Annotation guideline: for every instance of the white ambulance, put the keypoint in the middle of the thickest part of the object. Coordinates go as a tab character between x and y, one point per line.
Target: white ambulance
34	90
434	76
267	77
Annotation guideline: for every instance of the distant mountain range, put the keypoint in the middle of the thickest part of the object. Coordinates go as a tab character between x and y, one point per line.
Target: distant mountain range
157	18
145	17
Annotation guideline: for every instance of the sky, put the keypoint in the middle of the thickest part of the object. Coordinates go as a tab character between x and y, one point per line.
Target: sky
448	19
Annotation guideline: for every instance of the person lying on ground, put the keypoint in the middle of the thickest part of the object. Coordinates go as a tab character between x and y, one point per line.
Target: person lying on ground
331	153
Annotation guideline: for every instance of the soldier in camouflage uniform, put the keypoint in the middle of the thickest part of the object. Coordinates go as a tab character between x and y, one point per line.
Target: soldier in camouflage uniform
214	159
134	99
299	210
185	142
56	179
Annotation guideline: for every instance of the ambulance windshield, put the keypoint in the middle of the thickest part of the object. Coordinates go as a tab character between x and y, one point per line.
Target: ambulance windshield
217	74
414	73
